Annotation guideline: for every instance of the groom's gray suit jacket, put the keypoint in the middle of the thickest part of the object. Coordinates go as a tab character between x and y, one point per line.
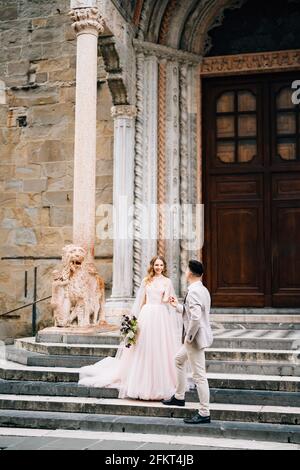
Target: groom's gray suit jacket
196	311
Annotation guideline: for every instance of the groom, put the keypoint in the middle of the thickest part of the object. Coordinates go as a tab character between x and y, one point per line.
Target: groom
196	336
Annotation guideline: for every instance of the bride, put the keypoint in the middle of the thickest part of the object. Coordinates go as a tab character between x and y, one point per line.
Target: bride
146	371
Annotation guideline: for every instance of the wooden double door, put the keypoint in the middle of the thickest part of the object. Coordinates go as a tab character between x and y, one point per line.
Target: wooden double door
251	181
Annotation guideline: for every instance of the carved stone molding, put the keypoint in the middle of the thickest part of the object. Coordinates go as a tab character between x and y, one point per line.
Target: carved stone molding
129	112
164	52
138	172
165	24
87	19
246	63
161	170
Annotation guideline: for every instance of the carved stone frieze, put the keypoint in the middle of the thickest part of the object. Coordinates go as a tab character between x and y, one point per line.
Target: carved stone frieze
246	63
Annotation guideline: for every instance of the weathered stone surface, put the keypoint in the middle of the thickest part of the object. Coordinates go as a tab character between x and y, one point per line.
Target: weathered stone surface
50	65
39	22
57	198
10	136
104	248
56	151
25	236
33	186
13	185
7	199
41	78
64	75
59	184
28	172
103	182
9	12
50	236
104	167
55	114
18	68
55	170
45	35
104	196
32	52
3	109
33	98
67	94
61	216
7	172
29	200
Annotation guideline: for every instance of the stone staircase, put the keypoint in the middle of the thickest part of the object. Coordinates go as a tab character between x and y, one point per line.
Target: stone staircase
253	369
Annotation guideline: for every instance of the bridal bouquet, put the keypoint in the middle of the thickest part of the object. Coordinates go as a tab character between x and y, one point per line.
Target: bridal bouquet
128	330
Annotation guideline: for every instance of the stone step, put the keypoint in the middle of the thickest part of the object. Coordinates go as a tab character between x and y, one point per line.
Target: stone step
21	356
29	439
149	425
251	319
238	396
17	372
247	342
223	366
220	412
103	350
112	338
254	368
230	338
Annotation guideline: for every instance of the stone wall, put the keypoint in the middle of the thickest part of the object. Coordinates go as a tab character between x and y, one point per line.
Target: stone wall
37	68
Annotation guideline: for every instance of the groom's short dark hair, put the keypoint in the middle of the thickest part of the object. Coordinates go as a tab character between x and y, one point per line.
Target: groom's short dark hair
196	267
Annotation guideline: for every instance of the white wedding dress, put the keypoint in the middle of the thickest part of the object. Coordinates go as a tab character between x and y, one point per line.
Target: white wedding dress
147	370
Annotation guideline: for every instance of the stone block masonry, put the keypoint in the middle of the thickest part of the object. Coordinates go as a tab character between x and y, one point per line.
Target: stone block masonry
37	111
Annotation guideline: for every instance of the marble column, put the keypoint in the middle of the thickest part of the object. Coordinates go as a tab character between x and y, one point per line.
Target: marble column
87	23
124	132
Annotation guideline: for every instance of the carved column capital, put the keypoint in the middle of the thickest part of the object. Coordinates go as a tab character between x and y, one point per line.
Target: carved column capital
87	19
124	111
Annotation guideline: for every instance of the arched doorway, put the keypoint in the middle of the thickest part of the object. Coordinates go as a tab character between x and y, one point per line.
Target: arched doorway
251	158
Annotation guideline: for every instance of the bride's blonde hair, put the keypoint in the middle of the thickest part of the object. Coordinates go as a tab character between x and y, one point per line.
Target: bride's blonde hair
151	272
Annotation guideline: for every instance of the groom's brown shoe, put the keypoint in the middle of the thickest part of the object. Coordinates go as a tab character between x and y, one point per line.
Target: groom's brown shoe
174	402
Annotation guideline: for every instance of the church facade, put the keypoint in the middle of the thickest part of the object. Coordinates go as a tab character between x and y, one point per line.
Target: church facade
197	146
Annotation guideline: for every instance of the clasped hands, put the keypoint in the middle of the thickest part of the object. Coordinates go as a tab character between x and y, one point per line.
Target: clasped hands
173	301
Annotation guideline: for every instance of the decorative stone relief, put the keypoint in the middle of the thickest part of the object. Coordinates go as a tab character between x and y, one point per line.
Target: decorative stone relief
124	111
78	294
84	18
245	63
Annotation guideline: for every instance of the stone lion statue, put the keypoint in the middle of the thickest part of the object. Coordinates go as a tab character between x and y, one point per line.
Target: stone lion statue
78	292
